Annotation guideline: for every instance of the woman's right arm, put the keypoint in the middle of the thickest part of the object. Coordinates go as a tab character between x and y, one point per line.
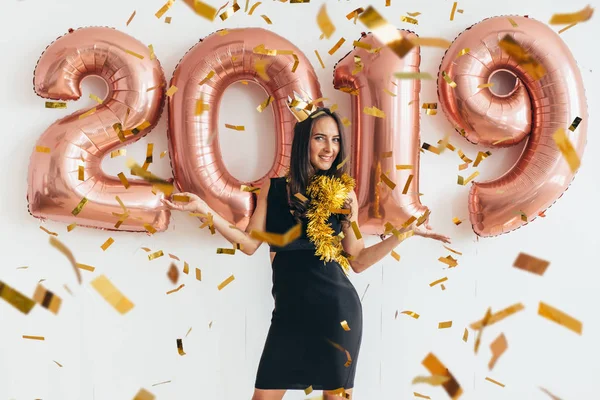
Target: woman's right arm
258	220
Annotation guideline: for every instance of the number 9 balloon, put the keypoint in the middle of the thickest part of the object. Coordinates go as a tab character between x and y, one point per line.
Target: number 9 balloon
548	96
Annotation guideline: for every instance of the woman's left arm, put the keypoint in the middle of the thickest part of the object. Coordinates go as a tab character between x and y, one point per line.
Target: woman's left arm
363	257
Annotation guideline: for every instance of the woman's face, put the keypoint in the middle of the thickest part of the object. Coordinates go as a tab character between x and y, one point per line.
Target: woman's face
324	143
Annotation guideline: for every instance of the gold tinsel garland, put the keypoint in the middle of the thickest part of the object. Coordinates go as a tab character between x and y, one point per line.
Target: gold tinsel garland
327	193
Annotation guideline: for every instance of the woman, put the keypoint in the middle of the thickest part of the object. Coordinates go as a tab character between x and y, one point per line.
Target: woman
316	325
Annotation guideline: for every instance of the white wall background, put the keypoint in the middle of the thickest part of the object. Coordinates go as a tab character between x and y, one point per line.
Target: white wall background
108	356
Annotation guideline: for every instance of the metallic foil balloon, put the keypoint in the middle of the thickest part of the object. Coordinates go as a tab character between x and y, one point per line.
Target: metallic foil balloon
548	95
366	75
66	181
202	76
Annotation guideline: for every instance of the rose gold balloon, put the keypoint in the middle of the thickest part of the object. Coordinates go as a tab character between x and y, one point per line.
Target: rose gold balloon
204	73
372	137
55	188
534	109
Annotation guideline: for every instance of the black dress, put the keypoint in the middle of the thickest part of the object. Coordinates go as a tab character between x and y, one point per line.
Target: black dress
307	344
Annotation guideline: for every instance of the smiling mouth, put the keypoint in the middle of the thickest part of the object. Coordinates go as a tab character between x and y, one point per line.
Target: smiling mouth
327	159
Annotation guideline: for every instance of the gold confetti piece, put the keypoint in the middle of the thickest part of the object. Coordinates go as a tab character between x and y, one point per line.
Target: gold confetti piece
79	207
117	153
356	230
33	337
567	27
186	268
362	45
462	181
207	78
374	111
498	347
87	113
80	174
16	298
340	165
414	14
107	244
395	255
413	75
229	12
57	363
235	127
523	58
56	104
512	22
22	267
355	13
454	251
48	232
181	198
502	140
388	181
156	254
448	80
267	19
198	274
464	51
141	57
421	396
161	383
279	240
485	85
150	229
575	124
265	104
324	22
308	390
225	282
410	20
451	262
249	189
464	166
124	180
163	154
320	60
559	317
445	324
253	7
67	289
531	264
171	91
164	9
549	394
465	335
403	166
130	18
337	46
86	267
580	16
453	11
57	244
566	148
176	289
385	32
47	299
346	122
411	313
407	185
484	323
42	149
221	250
160	184
168	20
111	294
480	157
435	367
434	380
487	378
444	279
96	98
143	394
433	149
344	324
180	347
498	316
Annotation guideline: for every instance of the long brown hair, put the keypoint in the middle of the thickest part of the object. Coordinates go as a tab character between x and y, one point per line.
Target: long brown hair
301	169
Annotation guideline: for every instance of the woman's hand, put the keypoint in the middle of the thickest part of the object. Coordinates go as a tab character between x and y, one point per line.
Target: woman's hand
195	205
431	235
